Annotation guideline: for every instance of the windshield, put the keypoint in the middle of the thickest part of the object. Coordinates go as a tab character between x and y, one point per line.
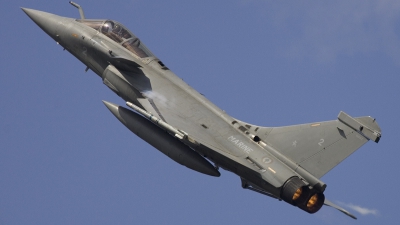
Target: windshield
118	33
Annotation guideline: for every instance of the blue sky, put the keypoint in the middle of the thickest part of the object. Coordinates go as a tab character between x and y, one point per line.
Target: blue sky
65	159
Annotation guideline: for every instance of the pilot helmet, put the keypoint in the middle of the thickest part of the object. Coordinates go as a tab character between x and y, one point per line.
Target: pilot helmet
107	27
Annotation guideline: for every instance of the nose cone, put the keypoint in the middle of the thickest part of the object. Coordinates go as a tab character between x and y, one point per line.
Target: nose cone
47	21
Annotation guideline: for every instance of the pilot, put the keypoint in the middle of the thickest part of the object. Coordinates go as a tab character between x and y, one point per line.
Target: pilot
133	46
107	27
125	34
117	29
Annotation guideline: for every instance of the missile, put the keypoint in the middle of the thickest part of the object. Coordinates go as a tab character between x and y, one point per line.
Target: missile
164	125
161	140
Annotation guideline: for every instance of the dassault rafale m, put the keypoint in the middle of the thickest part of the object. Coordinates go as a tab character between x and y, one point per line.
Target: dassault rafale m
285	163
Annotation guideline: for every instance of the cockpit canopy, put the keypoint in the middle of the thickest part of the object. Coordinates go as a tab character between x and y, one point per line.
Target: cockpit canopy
118	33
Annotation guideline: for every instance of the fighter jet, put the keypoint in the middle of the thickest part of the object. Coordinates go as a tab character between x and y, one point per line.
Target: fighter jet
285	163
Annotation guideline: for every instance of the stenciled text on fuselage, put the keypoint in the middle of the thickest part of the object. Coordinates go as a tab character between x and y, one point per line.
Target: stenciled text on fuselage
240	144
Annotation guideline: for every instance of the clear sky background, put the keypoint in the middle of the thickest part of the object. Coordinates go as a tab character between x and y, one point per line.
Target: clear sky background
65	159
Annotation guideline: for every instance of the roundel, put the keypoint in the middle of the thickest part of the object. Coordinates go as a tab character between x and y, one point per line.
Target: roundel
267	160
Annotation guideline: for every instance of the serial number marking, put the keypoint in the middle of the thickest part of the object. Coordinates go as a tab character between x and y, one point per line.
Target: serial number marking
321	142
267	160
240	144
84	52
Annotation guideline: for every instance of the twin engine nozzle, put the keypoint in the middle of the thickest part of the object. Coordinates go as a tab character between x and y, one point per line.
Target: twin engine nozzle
297	193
